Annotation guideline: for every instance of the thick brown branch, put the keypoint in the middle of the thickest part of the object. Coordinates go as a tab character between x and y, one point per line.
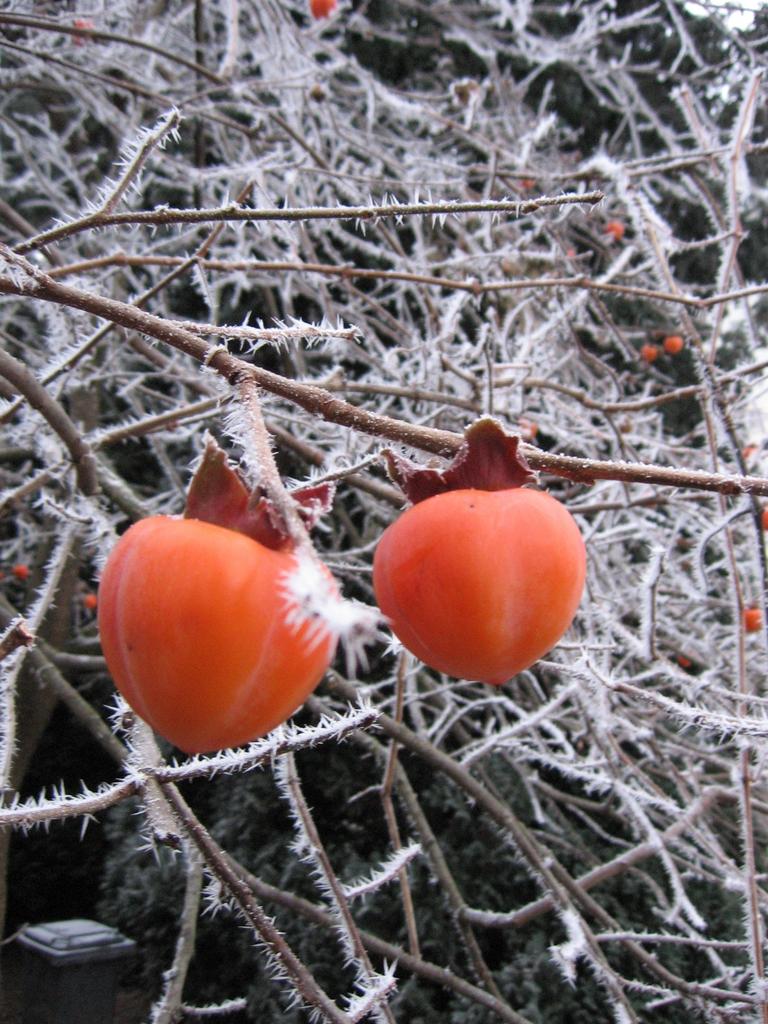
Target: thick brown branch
319	402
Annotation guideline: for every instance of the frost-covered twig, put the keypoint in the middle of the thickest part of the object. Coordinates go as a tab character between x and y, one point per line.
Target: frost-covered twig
361	214
10	670
134	156
604	872
26	814
474	286
420	968
622	340
285	963
542	866
281	335
389	809
46	24
286	739
19	376
166	1009
309	845
431	849
214	1012
388	872
49	675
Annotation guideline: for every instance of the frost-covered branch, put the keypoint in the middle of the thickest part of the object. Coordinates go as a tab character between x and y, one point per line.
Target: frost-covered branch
251	215
23	381
316	399
166	1009
373	988
284	960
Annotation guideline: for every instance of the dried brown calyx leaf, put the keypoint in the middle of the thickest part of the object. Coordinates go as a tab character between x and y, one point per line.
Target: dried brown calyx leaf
218	495
488	460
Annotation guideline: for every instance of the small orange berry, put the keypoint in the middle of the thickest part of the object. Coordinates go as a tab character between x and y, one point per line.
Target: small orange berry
90	601
616	229
748	451
650	353
684	662
21	571
673	344
764	518
753	620
526	184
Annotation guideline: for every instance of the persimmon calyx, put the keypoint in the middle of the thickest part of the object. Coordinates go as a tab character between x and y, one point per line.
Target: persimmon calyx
487	460
218	495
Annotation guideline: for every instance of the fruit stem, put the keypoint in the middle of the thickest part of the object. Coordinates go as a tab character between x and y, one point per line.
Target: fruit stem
270	480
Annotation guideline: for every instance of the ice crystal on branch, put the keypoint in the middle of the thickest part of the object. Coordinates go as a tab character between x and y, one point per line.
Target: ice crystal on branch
387	872
261	752
314	598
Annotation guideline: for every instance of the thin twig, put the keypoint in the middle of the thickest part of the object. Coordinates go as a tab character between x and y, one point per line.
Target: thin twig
300	976
56	416
391	817
356	950
166	1009
239	214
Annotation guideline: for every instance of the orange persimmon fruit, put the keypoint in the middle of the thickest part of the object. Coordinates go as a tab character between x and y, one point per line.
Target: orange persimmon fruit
201	635
481	583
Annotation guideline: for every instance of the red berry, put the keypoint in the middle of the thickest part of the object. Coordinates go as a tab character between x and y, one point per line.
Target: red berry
322	8
650	353
673	344
615	228
82	23
753	620
21	571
